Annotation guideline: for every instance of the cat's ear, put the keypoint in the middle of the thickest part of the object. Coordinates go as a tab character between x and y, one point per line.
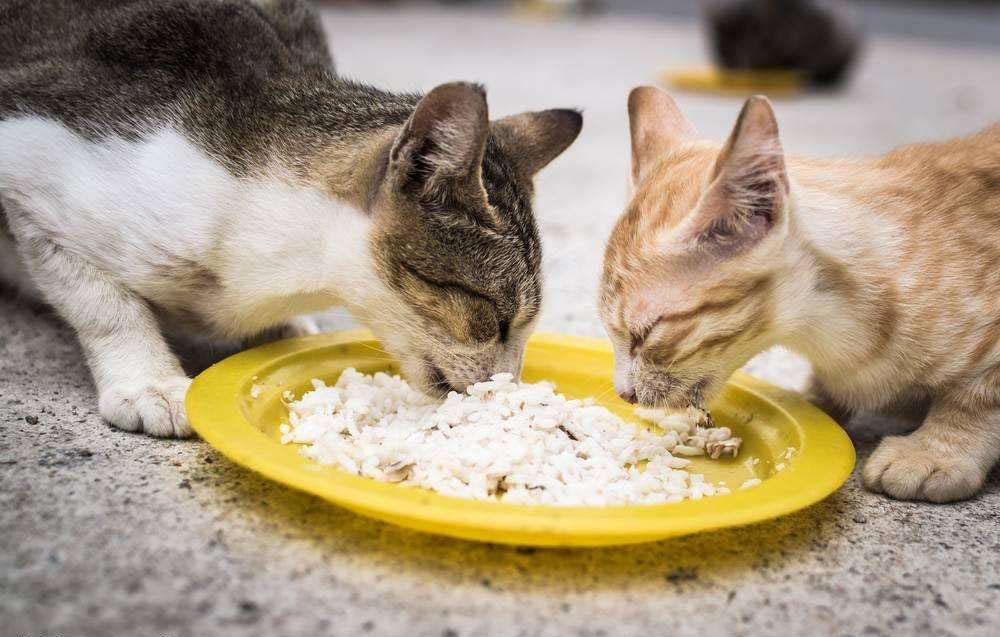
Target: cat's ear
444	139
536	138
655	124
749	184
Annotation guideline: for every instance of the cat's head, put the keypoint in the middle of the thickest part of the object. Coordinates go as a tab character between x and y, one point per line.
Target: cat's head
692	267
455	242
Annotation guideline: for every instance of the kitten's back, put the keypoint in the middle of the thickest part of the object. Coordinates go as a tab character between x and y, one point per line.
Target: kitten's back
974	158
953	185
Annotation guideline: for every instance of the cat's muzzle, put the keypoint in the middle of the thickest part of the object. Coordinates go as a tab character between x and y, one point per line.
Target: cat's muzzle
437	381
665	391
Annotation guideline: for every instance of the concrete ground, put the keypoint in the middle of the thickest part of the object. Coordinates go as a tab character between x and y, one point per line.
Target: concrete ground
108	533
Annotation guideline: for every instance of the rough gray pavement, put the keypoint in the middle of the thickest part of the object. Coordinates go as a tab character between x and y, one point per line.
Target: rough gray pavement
107	533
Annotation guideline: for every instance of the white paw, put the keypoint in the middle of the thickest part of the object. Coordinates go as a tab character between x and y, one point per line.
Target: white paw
155	407
907	468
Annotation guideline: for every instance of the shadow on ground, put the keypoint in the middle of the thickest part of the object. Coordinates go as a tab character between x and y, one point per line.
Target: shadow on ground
724	555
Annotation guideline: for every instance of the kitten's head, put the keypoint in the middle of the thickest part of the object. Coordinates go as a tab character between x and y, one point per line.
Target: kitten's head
455	240
691	268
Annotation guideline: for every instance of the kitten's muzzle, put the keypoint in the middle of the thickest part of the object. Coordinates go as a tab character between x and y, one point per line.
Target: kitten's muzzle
664	391
629	395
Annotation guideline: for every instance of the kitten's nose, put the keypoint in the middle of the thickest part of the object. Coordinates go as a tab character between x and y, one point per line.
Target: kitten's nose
625	386
628	395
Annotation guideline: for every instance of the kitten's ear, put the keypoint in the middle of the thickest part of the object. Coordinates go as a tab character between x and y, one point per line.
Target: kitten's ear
444	138
537	138
749	183
656	124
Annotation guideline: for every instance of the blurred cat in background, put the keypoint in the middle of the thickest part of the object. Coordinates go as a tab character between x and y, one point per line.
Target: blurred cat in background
197	165
817	39
881	271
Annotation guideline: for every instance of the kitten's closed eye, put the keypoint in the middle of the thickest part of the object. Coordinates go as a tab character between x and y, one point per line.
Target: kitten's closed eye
635	342
639	337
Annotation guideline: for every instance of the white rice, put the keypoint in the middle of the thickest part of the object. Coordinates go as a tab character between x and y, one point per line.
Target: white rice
516	442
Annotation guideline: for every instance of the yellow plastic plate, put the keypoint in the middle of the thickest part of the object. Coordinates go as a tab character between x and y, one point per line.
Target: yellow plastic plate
774	83
769	420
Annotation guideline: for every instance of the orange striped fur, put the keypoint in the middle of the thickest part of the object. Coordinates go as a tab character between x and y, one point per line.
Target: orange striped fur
882	271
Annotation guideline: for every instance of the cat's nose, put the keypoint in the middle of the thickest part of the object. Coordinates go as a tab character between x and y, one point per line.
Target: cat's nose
628	395
625	384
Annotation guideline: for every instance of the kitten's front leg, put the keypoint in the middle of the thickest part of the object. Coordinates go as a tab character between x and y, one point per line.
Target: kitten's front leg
140	383
817	394
946	459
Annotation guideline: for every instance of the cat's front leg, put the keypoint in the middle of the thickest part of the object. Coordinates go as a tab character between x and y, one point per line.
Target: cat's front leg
817	393
140	383
946	459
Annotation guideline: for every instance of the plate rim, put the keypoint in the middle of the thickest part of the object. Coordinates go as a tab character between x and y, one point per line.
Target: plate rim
538	525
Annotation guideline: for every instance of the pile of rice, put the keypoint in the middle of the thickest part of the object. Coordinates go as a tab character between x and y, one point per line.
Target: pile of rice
516	442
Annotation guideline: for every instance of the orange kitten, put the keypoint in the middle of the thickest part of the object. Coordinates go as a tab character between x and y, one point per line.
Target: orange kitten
882	271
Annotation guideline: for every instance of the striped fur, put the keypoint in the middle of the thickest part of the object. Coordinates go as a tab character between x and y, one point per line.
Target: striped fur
198	167
881	271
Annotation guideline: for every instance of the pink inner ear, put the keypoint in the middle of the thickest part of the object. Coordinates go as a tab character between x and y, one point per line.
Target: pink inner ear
749	185
736	211
753	147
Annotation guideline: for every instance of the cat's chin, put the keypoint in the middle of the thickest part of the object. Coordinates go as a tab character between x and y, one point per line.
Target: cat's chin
656	400
681	404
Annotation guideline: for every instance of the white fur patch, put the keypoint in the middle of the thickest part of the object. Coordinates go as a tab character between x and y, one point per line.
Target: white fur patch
168	222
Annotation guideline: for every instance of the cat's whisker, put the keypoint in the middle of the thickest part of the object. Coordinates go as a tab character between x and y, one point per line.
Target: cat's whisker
610	389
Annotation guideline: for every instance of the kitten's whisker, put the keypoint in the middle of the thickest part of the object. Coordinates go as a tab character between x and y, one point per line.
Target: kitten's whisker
604	393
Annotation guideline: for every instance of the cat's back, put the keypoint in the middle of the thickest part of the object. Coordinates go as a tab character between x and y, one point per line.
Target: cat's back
149	31
31	30
959	172
76	60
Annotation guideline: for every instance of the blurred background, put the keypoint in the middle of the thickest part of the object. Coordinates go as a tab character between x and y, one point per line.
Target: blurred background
920	71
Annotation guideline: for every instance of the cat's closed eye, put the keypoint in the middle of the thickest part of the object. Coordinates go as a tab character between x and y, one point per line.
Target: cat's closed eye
635	342
639	337
468	314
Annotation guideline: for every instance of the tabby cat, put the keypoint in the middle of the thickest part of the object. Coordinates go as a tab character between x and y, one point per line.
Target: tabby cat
199	165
